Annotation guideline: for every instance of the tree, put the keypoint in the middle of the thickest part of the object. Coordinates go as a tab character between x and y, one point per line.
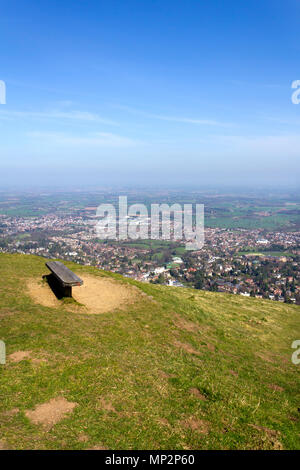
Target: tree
160	279
199	284
213	287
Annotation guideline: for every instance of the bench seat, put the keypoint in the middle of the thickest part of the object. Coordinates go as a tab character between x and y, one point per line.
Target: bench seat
66	278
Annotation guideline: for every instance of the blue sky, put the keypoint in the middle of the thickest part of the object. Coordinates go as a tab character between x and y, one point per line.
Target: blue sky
149	92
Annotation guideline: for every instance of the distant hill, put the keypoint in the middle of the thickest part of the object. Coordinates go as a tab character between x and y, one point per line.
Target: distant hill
155	368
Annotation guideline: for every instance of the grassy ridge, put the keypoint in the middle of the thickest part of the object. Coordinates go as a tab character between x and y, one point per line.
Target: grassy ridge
178	369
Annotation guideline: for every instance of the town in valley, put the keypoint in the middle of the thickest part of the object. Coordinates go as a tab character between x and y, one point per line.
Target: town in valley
252	242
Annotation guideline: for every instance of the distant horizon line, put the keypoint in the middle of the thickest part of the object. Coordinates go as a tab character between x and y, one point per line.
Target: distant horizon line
213	188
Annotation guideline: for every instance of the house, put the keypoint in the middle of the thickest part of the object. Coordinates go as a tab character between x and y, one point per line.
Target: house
177	260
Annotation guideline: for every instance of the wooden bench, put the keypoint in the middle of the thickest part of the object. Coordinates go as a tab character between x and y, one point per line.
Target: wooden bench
65	277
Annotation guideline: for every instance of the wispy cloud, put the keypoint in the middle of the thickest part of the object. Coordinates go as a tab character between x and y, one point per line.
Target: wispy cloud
56	114
182	119
201	122
247	84
96	139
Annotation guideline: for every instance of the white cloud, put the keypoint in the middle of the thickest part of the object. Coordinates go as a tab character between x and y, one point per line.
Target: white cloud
203	122
97	139
184	120
56	114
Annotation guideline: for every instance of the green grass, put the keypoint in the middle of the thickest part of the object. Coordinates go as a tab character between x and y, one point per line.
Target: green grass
267	253
239	349
236	221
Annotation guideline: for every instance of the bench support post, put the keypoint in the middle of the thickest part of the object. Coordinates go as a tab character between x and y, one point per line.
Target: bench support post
67	291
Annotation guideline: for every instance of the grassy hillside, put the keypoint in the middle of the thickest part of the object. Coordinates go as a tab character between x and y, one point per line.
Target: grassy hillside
178	368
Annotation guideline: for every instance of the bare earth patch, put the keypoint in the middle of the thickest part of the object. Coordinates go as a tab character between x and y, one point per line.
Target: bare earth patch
187	325
165	375
50	413
163	421
19	356
6	313
106	405
12	412
38	362
41	293
96	295
197	393
271	435
275	387
196	425
101	295
3	446
293	418
186	347
269	432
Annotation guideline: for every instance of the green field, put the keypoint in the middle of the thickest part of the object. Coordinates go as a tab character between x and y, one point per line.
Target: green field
177	369
276	254
273	222
233	211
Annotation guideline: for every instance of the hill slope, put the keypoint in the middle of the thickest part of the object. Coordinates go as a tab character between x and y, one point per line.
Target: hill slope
175	368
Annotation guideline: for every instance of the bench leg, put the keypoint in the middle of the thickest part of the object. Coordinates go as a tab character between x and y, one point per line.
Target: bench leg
68	291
